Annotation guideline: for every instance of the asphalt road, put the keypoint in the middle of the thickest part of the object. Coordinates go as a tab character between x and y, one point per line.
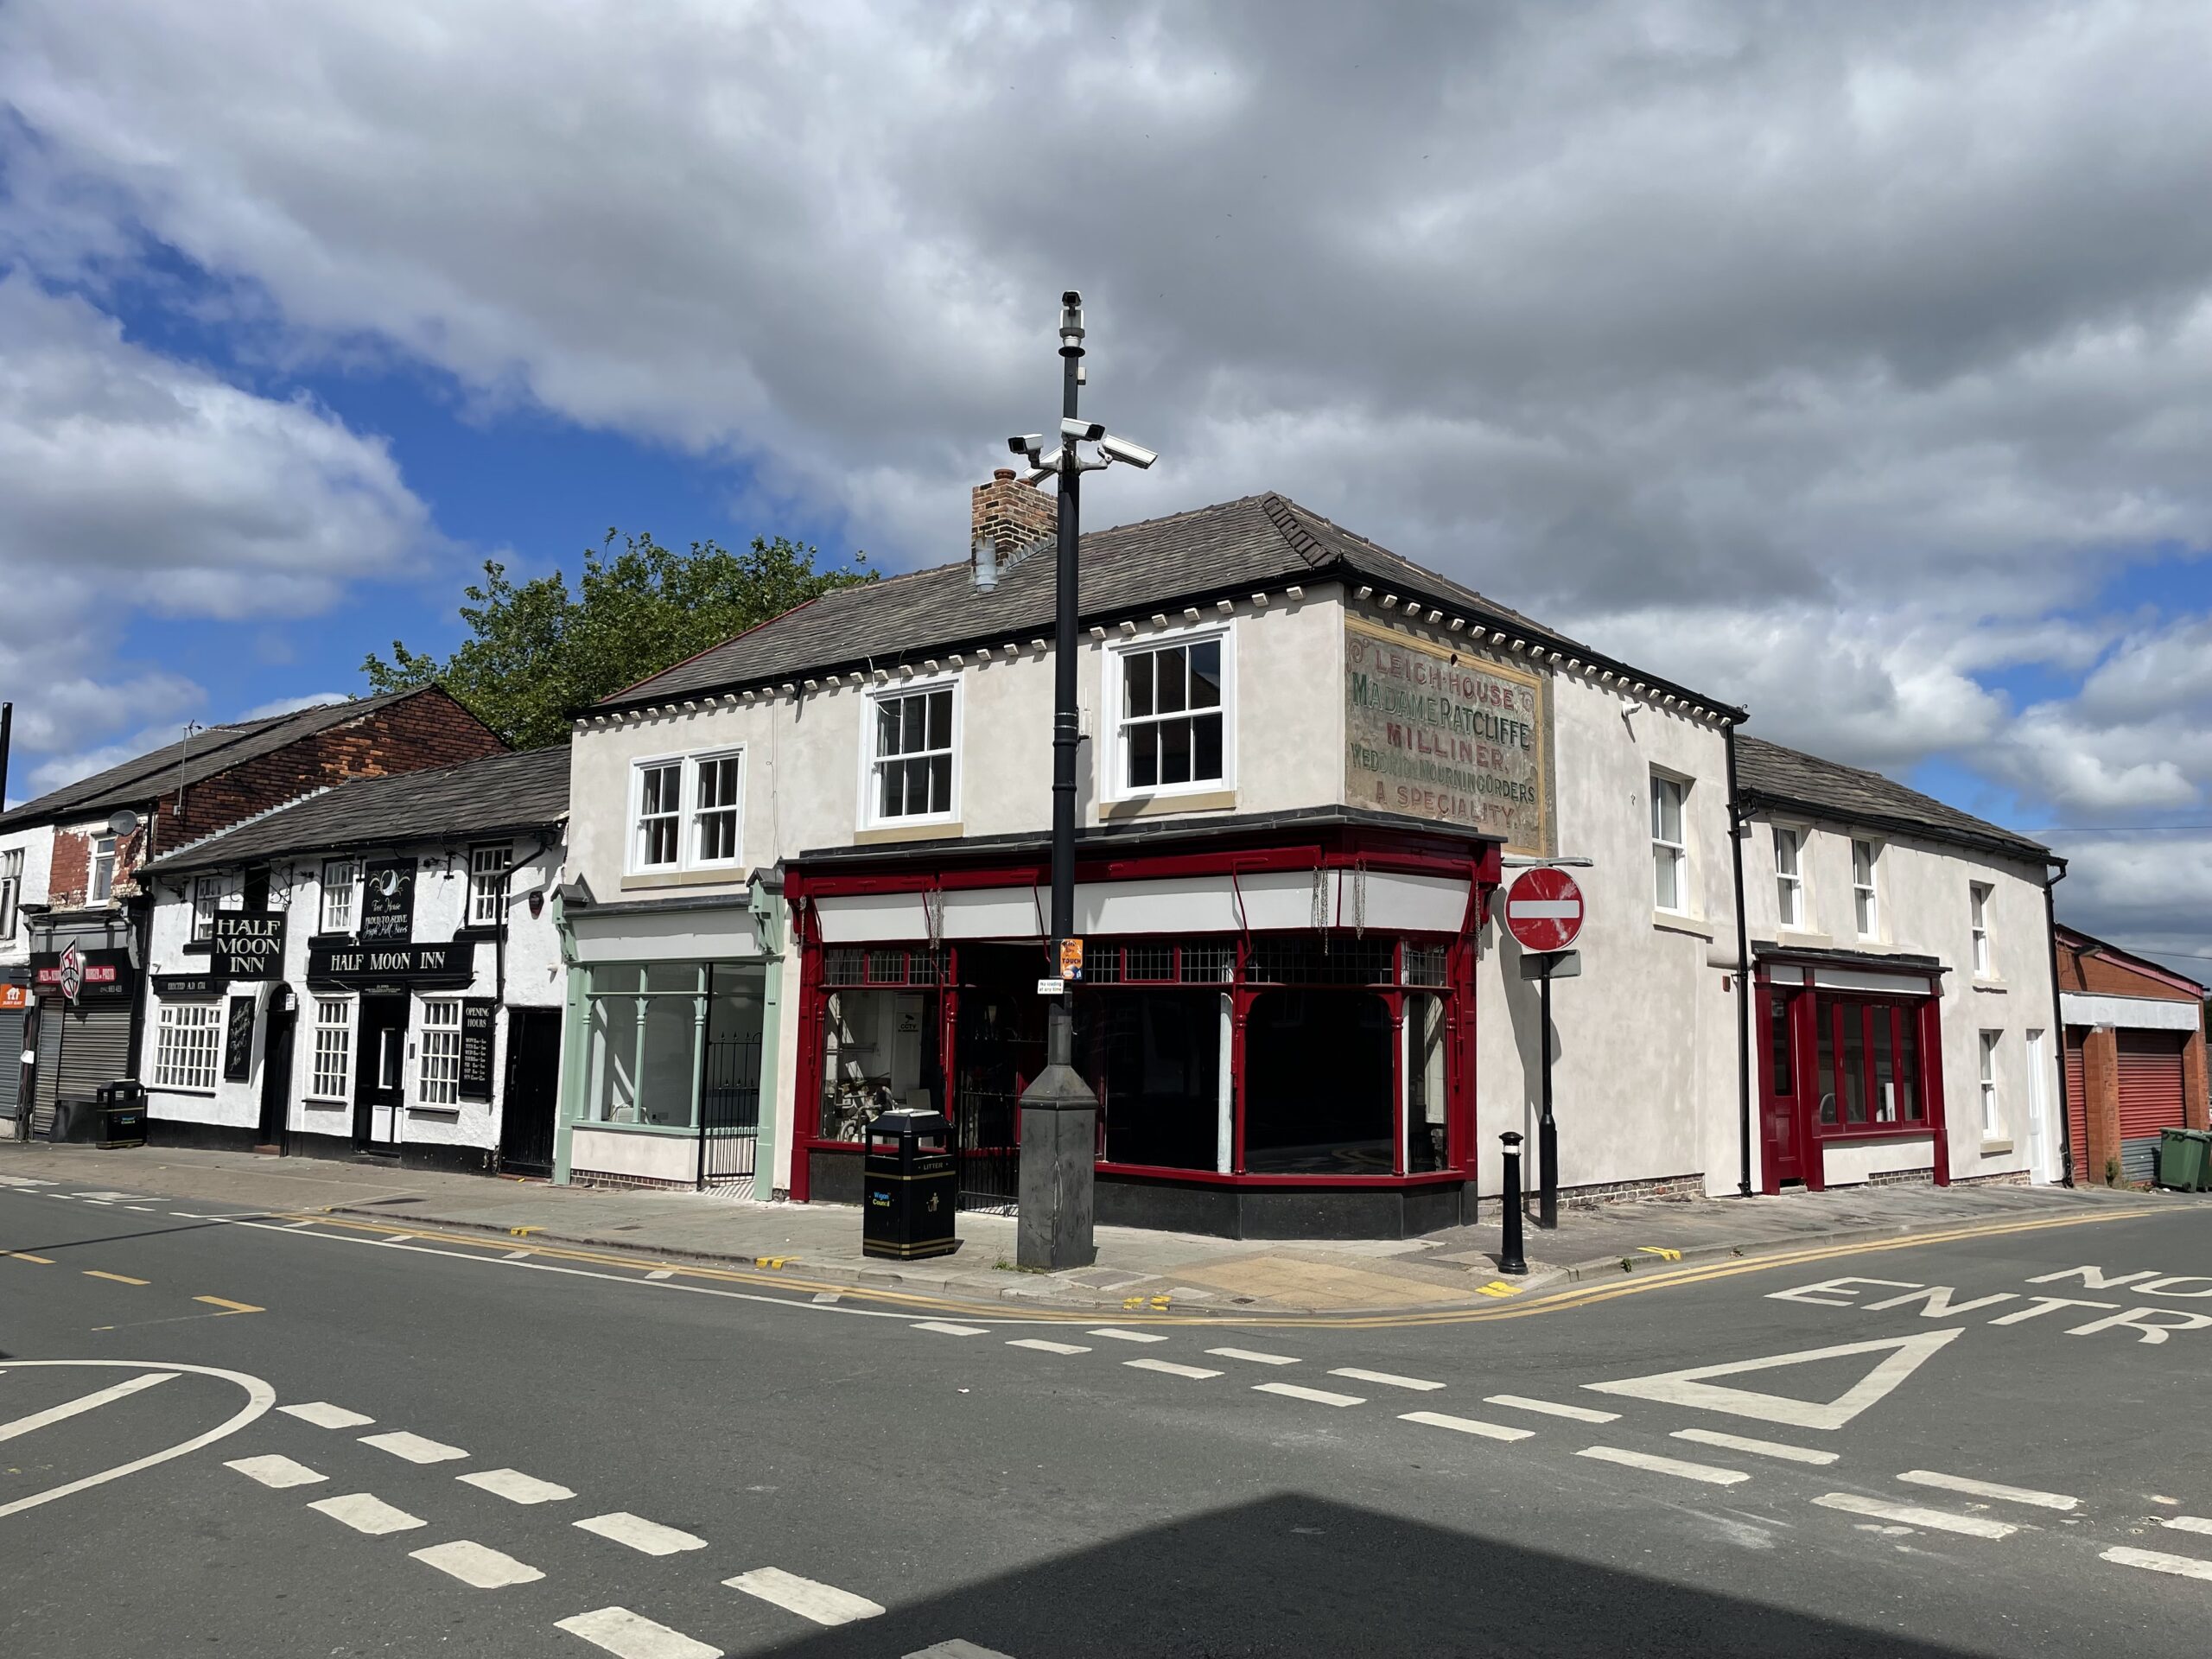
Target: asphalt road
590	1461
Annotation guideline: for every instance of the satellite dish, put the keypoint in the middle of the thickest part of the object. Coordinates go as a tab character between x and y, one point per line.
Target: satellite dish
123	822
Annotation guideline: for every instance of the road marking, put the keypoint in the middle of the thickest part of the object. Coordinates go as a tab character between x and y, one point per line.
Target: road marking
946	1328
323	1414
399	1238
518	1255
1168	1367
1660	1251
186	1215
119	1278
21	1180
1127	1336
91	1401
1910	1515
514	1486
25	1256
1553	1409
633	1636
275	1471
1318	1396
1044	1347
293	1225
2187	1523
1905	1356
259	1396
229	1307
2156	1561
1497	1287
105	1196
823	1603
365	1513
955	1648
647	1537
1252	1356
1467	1426
662	1273
1387	1379
1760	1448
142	1209
413	1447
1990	1488
474	1564
1658	1466
827	1298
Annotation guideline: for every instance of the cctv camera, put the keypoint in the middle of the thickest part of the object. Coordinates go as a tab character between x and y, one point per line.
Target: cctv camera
1121	450
1028	444
1051	463
1087	431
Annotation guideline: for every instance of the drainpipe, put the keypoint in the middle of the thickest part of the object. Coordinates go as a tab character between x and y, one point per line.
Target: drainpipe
2058	1024
507	899
1737	828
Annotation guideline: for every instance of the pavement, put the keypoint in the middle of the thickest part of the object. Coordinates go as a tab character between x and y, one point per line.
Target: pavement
1136	1268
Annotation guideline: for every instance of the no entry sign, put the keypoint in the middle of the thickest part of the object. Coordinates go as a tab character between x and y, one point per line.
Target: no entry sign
1544	909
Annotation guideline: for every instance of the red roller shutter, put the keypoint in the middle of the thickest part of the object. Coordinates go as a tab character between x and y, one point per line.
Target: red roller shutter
2078	1103
2150	1083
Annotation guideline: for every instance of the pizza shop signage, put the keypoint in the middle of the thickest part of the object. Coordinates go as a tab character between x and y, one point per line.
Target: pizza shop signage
77	976
1446	736
370	967
247	944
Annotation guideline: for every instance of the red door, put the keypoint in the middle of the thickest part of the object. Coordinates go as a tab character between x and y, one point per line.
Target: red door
2078	1103
1782	1151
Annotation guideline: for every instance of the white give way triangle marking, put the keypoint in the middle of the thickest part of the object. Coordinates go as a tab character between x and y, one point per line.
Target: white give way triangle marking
1906	1356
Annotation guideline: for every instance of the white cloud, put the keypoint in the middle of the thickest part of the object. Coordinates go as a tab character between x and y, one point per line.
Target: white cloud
293	705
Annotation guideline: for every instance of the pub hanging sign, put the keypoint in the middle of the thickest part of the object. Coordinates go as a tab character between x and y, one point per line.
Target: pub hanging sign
388	902
247	944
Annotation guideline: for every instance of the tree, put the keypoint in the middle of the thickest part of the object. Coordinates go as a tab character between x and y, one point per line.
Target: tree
538	654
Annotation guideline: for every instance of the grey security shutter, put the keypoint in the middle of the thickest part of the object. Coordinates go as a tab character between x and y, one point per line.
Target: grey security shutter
95	1048
49	1065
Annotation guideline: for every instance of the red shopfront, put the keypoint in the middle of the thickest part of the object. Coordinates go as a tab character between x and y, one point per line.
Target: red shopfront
1280	1032
1850	1055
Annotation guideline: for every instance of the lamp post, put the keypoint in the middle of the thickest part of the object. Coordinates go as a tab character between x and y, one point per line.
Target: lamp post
1060	1113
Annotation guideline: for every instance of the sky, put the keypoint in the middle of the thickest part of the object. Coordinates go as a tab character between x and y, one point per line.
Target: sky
1851	362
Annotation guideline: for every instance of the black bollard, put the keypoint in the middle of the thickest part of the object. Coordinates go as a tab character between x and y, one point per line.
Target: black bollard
1509	1258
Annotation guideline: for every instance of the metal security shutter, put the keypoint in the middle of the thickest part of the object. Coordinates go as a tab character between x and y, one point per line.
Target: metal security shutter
2078	1103
49	1066
2150	1097
95	1048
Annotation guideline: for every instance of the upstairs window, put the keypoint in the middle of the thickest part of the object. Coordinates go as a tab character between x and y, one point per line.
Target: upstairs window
660	815
339	878
11	891
207	899
1865	902
102	878
910	769
487	883
687	811
716	780
1789	877
1171	723
1978	897
1669	856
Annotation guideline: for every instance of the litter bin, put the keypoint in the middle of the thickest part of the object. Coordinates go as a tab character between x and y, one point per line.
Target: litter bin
910	1186
2182	1160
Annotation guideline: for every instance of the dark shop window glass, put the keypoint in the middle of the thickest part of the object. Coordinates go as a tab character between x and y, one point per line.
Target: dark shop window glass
1826	1050
1427	1131
1318	1081
1909	1064
1785	1082
1853	1063
1154	1058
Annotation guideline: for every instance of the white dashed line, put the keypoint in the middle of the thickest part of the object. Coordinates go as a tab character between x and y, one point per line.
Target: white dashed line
823	1603
662	1273
365	1513
413	1447
946	1329
632	1636
1467	1426
1252	1357
2187	1523
395	1238
1553	1409
514	1486
1758	1448
323	1414
955	1648
274	1471
1658	1466
647	1537
523	1256
2156	1561
474	1565
91	1401
1909	1514
1127	1336
827	1298
1387	1379
1318	1396
1044	1347
1168	1367
1990	1488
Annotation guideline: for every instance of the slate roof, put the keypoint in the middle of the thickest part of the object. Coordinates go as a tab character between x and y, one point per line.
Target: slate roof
500	793
192	760
1768	774
1228	550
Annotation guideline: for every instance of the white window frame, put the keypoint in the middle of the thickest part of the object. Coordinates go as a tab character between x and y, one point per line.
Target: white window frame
1789	884
684	813
488	864
207	899
11	890
1978	894
437	1074
1671	853
1992	1129
99	878
1866	896
340	876
635	862
871	815
320	1075
188	1046
1113	693
694	815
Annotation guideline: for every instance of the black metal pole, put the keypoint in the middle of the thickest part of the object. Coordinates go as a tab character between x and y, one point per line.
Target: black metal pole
1510	1258
7	730
1547	1127
1067	603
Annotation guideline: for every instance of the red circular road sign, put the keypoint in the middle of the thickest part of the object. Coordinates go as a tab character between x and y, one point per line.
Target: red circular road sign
1544	909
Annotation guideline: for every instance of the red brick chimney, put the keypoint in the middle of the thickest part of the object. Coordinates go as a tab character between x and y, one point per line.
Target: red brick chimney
1016	516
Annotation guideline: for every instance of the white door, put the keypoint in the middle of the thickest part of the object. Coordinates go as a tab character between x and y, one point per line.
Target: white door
2041	1168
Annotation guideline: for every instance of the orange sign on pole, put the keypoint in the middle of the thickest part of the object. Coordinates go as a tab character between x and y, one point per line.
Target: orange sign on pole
1070	958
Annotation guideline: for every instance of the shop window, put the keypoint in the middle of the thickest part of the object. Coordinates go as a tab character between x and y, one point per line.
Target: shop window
912	764
103	877
1866	900
876	965
1427	1127
1155	1056
1318	1083
334	1049
1978	897
1425	964
1868	1062
1322	959
487	883
206	899
878	1052
439	1082
1669	856
190	1036
1170	730
642	1055
1788	877
1780	1052
340	877
1168	962
11	890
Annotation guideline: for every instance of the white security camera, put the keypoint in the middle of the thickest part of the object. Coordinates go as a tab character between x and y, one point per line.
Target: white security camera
1121	450
1082	431
1028	444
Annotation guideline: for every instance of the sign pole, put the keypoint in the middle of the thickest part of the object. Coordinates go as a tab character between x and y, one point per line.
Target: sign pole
1547	1127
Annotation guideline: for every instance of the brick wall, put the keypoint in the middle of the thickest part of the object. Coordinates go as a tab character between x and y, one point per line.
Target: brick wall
1014	514
2100	1087
69	880
2085	970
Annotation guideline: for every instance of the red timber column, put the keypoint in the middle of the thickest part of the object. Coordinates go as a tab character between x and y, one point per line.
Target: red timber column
2193	1106
2100	1082
806	1076
1932	1064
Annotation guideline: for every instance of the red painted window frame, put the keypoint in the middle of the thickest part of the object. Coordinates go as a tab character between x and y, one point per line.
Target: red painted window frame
1924	1005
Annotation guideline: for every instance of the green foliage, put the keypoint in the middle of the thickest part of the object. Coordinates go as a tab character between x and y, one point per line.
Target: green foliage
537	655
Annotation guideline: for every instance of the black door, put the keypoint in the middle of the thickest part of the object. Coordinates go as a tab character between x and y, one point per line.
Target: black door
533	1089
380	1074
277	1076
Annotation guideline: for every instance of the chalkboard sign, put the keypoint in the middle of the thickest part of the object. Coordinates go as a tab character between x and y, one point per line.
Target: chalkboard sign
476	1016
238	1041
388	903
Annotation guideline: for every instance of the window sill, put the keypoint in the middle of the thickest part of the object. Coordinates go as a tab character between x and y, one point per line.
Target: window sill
1668	921
1995	987
1994	1148
885	835
723	875
326	1103
1158	805
1798	939
688	1132
1904	1131
172	1088
478	932
197	947
450	1113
